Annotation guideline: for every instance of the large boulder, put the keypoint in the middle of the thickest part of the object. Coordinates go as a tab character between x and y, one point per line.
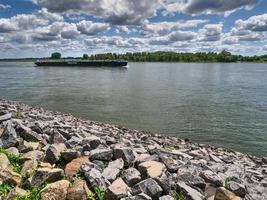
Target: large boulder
43	175
5	117
151	169
53	153
73	167
149	187
15	193
112	171
9	136
126	154
4	162
117	190
56	191
8	176
131	176
28	168
224	194
92	141
95	179
28	134
101	154
189	192
237	188
33	155
210	177
78	191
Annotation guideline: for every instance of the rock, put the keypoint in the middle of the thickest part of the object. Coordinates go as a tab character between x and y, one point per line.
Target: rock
223	194
171	164
78	191
43	175
9	136
192	180
28	168
92	141
13	150
16	192
29	135
215	158
8	176
210	177
70	154
57	138
145	157
113	170
56	191
117	190
73	142
4	162
141	196
126	154
29	146
151	169
165	182
95	179
166	197
73	167
210	191
88	166
53	153
131	176
189	192
149	187
237	188
33	155
101	154
5	117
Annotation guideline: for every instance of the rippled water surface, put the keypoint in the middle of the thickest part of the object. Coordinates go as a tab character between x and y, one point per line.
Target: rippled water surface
219	104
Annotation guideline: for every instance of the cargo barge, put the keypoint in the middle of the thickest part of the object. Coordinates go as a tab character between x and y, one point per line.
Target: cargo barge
85	63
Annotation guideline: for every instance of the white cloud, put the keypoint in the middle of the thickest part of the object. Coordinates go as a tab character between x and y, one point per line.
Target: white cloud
122	29
207	6
256	23
3	7
211	32
91	28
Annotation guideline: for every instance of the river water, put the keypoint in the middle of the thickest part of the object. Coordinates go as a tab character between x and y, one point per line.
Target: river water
219	104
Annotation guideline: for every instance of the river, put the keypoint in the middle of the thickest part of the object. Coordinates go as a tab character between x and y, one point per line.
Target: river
223	104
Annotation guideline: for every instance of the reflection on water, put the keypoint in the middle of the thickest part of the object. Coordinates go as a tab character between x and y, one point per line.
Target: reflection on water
220	104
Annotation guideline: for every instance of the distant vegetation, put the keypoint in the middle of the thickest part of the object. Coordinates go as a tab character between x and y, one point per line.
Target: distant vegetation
162	56
56	55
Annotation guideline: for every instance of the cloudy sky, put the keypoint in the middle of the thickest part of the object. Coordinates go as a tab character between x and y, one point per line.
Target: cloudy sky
35	28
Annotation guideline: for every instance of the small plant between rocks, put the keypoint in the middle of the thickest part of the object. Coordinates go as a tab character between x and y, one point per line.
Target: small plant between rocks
15	161
5	188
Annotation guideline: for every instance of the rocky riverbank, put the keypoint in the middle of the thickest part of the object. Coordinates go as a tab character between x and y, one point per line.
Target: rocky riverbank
50	155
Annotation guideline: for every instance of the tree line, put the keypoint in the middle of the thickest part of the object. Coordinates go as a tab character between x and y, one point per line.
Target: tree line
166	56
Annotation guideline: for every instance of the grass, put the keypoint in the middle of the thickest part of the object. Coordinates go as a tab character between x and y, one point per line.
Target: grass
100	194
227	180
179	196
80	176
5	188
15	161
33	194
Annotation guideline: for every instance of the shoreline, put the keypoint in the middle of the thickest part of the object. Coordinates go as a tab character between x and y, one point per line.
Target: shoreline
136	162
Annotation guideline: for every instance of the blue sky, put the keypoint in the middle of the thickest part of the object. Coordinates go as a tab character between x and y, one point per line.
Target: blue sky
35	28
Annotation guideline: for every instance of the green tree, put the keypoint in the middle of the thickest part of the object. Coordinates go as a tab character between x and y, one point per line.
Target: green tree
55	55
85	56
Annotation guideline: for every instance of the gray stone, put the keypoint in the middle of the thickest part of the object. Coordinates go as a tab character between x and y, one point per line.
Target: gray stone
189	192
5	117
13	150
151	169
131	176
53	153
171	164
93	141
95	179
210	177
9	136
146	157
57	138
88	166
237	188
165	182
70	154
4	162
29	135
73	142
166	197
113	170
43	175
28	168
101	154
192	180
33	155
117	190
149	187
126	154
141	196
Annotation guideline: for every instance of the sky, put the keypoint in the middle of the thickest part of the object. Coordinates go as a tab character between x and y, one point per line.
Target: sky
36	28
